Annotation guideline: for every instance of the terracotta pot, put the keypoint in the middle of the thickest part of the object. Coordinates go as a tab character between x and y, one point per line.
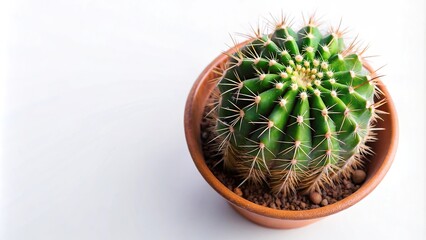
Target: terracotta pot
378	166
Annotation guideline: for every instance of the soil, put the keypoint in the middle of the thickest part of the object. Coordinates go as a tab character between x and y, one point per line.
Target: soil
263	196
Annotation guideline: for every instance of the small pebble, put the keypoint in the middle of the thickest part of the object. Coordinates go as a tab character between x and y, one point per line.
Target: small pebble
204	123
283	200
315	197
238	191
246	192
205	135
324	202
278	202
358	176
302	205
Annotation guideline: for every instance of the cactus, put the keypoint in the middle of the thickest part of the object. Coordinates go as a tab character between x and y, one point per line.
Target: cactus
295	109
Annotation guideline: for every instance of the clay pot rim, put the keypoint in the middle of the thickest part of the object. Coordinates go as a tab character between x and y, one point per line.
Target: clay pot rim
229	195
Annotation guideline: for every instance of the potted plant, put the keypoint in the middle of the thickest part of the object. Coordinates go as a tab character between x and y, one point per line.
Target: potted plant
289	126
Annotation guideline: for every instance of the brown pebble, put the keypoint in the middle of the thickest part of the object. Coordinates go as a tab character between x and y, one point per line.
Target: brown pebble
283	200
272	205
315	197
278	202
205	135
358	176
204	123
238	191
246	192
302	205
324	202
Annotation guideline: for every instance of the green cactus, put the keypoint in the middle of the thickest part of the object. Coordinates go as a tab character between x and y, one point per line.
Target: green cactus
295	109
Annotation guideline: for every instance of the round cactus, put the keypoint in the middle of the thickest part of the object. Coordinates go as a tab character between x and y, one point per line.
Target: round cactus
295	109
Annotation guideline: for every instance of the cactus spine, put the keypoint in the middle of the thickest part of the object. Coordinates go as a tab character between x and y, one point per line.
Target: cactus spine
295	109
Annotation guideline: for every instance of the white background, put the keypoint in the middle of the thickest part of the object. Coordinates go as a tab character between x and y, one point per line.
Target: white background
92	103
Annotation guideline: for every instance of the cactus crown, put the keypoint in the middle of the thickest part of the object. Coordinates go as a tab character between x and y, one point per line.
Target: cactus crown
295	109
